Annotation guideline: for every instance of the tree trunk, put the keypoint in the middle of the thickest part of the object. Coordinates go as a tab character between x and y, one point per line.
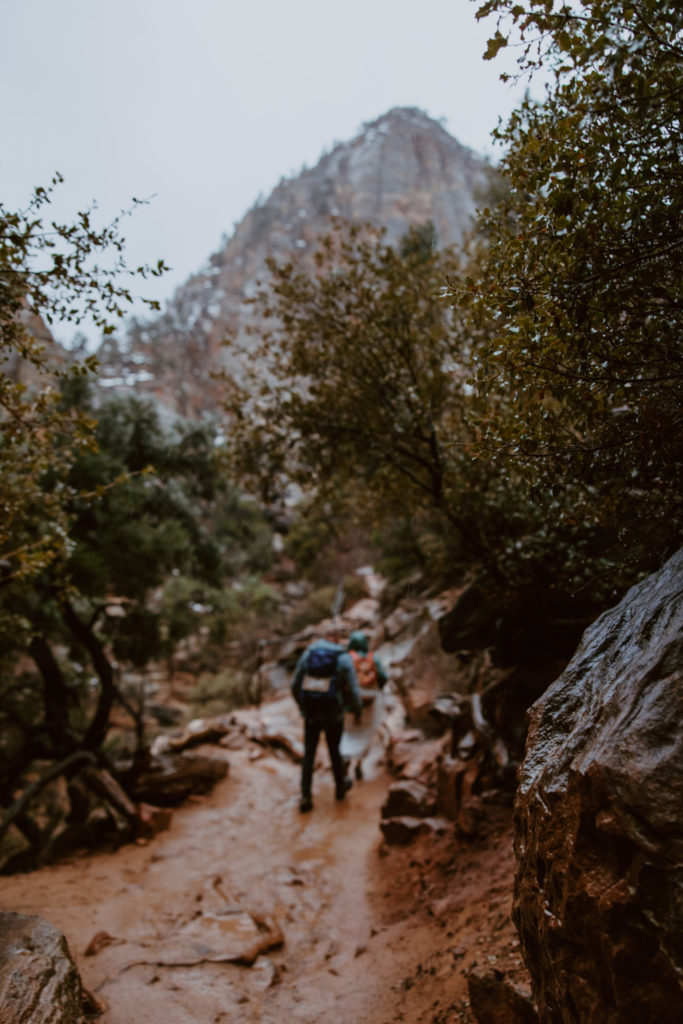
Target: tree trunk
97	730
55	696
16	811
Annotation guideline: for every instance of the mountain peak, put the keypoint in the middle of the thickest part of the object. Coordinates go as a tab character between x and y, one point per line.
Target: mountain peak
408	117
401	170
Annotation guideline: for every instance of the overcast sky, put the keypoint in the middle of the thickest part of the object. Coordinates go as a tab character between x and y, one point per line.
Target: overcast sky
206	104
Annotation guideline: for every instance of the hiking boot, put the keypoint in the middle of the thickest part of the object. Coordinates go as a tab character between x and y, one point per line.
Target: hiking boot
346	786
306	804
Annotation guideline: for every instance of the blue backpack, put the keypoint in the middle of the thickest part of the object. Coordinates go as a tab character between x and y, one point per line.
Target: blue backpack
321	662
320	689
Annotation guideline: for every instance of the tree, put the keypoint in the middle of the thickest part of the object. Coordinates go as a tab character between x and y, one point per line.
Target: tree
362	401
359	386
49	272
150	521
577	302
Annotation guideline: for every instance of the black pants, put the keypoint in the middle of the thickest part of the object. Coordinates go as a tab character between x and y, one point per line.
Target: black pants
333	728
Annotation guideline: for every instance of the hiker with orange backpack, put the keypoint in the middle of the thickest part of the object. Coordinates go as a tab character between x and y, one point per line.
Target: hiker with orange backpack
372	679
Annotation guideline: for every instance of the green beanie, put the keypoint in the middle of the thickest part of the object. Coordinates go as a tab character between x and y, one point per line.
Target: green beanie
358	642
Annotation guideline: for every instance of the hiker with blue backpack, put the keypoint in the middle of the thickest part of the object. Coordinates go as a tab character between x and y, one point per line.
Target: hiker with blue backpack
325	686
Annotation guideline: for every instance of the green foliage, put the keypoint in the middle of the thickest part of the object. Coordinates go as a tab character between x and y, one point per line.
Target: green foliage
146	494
308	535
577	302
218	693
239	526
355	589
363	400
361	391
49	272
533	422
166	537
184	605
344	384
119	538
136	639
144	568
409	544
260	599
315	607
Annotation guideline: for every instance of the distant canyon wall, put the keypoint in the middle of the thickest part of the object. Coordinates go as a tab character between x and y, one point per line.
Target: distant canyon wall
400	171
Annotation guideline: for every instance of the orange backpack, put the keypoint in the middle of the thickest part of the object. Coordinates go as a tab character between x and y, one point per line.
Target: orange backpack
366	670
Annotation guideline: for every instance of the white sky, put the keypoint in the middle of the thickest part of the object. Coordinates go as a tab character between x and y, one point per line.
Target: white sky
205	104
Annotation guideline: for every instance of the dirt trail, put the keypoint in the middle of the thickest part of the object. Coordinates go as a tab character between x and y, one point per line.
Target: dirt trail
370	935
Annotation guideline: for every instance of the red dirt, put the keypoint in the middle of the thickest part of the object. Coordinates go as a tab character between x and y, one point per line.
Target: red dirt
371	934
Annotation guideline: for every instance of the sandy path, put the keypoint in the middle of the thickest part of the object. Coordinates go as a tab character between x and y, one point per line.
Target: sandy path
245	846
370	935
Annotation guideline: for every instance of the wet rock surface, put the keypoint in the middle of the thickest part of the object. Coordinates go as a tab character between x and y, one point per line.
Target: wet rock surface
399	831
408	797
172	777
39	982
392	906
599	829
244	909
494	1000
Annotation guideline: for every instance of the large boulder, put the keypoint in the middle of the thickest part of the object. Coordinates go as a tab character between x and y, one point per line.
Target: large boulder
599	828
408	797
171	778
39	982
495	1000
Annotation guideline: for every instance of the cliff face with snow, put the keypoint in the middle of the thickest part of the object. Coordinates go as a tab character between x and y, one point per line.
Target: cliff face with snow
401	170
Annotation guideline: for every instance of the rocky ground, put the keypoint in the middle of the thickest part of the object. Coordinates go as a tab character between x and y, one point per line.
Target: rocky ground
245	909
393	906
